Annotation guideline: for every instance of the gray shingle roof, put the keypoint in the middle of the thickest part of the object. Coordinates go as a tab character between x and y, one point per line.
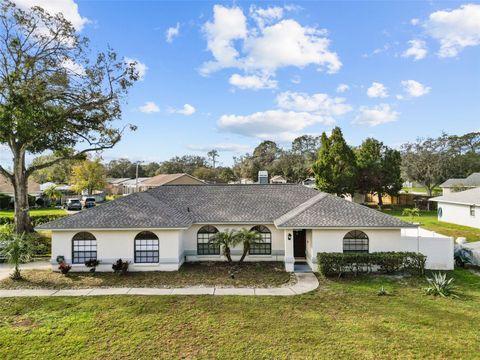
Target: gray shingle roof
469	197
179	206
326	210
470	181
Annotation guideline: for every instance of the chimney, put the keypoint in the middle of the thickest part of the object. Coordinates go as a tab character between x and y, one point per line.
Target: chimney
263	177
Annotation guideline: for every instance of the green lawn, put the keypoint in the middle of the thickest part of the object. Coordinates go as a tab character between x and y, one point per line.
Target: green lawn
261	274
37	212
343	319
428	220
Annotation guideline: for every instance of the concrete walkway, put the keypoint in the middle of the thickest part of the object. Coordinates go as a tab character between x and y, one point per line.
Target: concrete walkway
306	282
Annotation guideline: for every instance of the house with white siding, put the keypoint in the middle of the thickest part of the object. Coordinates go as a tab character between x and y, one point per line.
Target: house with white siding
164	227
462	208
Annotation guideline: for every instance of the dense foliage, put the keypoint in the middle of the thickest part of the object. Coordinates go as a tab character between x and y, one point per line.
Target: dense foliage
358	263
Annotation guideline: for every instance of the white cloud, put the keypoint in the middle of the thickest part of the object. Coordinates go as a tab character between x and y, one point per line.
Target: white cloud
222	147
187	110
321	105
274	44
140	67
296	111
276	125
414	88
417	50
376	115
73	67
149	107
455	29
377	90
253	82
415	21
266	16
68	8
172	32
342	88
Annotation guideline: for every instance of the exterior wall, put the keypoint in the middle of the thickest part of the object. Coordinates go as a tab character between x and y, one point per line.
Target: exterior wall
189	237
446	191
459	214
437	248
113	245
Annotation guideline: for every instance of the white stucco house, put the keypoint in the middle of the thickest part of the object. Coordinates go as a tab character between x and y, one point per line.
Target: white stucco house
462	208
163	227
470	182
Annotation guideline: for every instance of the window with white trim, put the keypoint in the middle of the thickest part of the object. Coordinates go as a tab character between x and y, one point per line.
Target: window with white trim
265	246
472	210
146	248
84	247
355	241
204	246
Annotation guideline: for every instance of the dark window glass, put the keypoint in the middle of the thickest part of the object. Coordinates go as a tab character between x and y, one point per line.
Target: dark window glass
84	247
472	210
146	248
355	241
204	247
264	247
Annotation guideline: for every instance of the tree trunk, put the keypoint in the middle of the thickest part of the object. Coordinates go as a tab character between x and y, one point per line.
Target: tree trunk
20	186
245	252
227	254
429	194
380	199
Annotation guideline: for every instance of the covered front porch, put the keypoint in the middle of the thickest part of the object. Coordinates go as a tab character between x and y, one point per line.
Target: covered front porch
298	250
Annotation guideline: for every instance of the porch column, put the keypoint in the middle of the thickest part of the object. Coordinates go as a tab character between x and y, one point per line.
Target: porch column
289	258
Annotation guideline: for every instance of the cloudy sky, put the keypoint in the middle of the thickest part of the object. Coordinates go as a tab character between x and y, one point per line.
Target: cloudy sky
227	75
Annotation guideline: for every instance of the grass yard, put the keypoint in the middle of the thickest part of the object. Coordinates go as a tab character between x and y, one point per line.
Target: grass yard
428	220
35	212
343	319
264	274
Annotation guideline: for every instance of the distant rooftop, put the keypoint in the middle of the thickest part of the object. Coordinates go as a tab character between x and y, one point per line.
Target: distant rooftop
471	181
468	197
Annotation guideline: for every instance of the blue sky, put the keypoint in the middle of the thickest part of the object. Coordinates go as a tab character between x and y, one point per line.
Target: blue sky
234	73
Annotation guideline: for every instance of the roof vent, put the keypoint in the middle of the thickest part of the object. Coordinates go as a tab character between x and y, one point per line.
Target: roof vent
263	177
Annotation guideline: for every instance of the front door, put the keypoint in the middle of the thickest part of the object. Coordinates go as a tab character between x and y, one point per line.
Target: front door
299	243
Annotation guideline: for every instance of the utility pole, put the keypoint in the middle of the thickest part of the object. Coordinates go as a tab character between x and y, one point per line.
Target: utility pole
136	175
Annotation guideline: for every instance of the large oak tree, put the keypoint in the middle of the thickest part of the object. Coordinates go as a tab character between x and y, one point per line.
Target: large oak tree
55	95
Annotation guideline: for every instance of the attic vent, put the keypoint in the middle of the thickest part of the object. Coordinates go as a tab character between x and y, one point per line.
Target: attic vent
188	209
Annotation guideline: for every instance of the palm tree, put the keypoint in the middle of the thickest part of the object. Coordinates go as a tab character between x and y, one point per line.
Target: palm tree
52	193
248	238
226	239
17	249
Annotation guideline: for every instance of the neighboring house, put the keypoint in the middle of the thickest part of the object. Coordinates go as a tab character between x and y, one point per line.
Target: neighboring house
6	187
278	179
453	185
114	186
170	179
462	208
126	186
163	227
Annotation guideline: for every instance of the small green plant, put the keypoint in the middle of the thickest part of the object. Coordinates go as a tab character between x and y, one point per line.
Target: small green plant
382	291
411	212
440	285
120	267
17	249
92	265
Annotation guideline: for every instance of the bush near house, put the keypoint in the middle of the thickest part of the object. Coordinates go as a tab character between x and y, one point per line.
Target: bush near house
36	219
364	263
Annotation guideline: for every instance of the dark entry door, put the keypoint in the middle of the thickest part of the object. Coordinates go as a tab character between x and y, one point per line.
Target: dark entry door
299	243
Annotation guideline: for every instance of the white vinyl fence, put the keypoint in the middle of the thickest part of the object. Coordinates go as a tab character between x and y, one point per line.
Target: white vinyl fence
436	247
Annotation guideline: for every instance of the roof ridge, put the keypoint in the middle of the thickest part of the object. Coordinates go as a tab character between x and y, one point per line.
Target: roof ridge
299	209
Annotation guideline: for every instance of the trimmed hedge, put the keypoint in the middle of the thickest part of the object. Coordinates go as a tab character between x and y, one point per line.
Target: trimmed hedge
364	263
36	219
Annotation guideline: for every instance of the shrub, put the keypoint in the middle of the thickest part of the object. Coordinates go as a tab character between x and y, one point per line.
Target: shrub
382	292
120	267
440	285
5	201
64	267
92	264
357	263
36	219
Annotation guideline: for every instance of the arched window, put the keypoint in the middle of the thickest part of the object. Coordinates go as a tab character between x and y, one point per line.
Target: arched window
204	247
146	247
84	247
355	241
264	247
